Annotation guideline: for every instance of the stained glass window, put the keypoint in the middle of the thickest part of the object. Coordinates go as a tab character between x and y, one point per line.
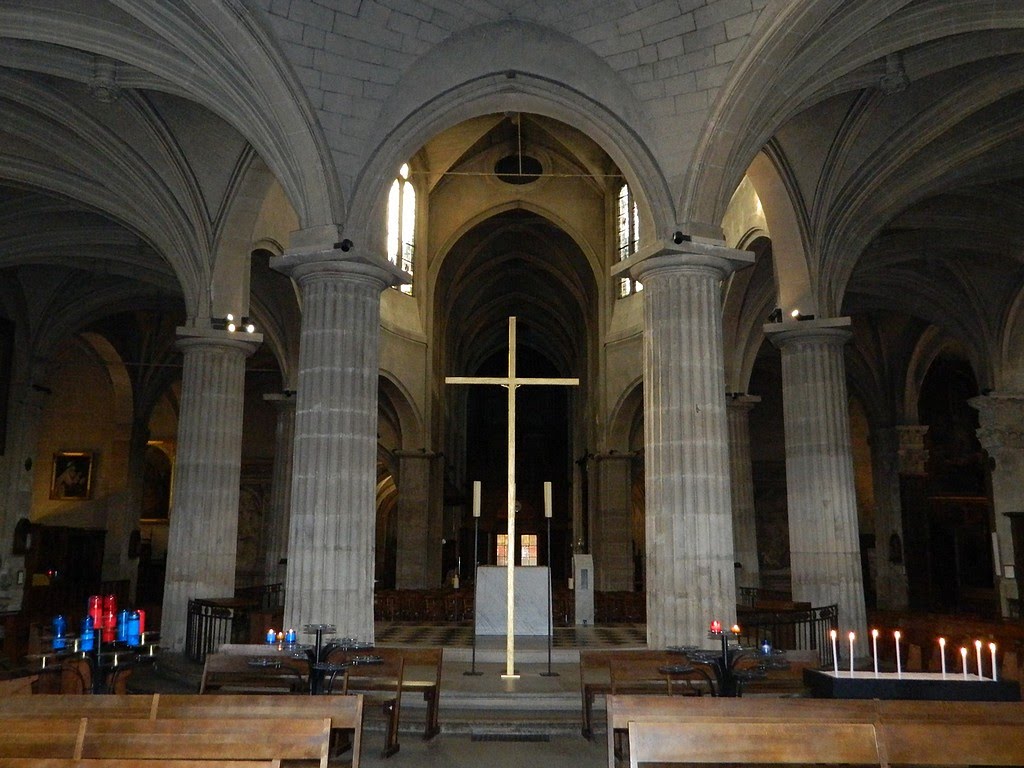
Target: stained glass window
627	227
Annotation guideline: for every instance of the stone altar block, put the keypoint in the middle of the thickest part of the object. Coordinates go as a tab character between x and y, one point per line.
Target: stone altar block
532	612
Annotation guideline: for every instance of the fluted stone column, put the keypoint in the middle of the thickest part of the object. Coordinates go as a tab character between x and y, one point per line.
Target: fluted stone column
1001	433
417	564
126	508
824	537
741	474
611	524
914	511
690	573
331	532
275	524
203	536
890	568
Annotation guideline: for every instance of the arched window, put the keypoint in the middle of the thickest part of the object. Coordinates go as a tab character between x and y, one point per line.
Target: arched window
402	223
627	226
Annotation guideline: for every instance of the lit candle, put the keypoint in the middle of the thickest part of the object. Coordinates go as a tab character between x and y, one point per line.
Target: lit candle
835	652
735	629
271	635
899	665
874	647
942	654
963	657
992	648
977	648
851	654
716	627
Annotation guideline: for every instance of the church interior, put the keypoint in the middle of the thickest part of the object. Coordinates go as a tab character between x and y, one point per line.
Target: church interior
777	242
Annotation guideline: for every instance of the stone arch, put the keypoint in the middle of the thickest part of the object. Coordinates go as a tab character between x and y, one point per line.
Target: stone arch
932	343
621	425
490	78
395	396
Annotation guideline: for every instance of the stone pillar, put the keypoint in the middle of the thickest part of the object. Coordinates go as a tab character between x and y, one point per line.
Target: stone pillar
741	475
690	572
1001	433
275	524
334	477
125	510
890	568
203	536
418	559
611	523
824	538
914	510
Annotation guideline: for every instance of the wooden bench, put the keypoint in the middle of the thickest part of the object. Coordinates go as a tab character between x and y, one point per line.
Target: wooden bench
762	743
74	706
382	684
960	744
31	762
228	672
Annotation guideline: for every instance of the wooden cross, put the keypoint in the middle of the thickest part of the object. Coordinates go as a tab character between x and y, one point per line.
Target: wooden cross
511	382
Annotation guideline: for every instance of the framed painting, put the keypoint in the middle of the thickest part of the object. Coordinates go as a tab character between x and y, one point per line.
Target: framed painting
72	475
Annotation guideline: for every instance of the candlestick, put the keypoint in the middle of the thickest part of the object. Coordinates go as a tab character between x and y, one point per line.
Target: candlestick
899	665
874	647
942	654
851	654
835	652
977	648
476	498
992	648
963	657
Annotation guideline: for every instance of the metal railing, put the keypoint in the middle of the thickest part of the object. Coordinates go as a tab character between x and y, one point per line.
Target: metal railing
793	630
210	622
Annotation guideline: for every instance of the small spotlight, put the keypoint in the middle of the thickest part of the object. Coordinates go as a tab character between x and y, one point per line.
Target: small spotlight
795	314
229	317
231	327
775	316
248	326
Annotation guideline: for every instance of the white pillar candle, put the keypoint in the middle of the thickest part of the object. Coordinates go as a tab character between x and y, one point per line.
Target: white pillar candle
476	498
874	648
977	648
942	654
851	654
899	664
835	652
547	498
992	648
963	657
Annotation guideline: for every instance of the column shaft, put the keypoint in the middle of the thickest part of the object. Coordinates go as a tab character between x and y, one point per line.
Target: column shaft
331	532
203	537
416	568
741	473
823	526
690	573
890	570
611	538
275	524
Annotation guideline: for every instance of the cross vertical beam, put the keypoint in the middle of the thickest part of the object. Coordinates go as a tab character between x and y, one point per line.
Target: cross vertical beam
512	382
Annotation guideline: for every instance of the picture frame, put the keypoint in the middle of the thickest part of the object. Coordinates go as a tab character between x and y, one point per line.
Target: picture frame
71	478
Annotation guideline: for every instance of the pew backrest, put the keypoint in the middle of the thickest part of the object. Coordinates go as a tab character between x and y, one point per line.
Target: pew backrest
31	762
41	737
74	706
952	744
229	671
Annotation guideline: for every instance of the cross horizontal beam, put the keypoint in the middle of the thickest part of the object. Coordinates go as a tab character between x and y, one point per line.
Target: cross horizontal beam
505	380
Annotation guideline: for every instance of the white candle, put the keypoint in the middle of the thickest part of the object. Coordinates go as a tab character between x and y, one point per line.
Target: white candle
476	498
977	648
942	654
874	647
992	648
851	654
835	652
547	498
899	665
963	657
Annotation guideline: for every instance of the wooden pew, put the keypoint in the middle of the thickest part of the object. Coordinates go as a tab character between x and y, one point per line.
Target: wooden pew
228	672
772	743
31	762
41	737
17	686
382	684
345	712
595	676
74	706
199	739
960	744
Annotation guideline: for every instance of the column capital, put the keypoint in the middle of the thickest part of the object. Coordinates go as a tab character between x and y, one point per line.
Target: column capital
911	449
666	254
614	456
1001	420
829	330
310	264
740	401
192	337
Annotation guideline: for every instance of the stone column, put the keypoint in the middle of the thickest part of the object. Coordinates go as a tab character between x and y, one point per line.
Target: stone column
275	525
690	572
418	559
823	527
203	536
1001	432
331	532
741	475
890	568
125	509
914	511
611	524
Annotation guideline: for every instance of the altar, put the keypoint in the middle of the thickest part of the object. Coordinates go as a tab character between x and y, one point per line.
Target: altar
933	686
532	609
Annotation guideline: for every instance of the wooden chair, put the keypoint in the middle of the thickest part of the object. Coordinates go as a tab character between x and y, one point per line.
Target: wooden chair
382	684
